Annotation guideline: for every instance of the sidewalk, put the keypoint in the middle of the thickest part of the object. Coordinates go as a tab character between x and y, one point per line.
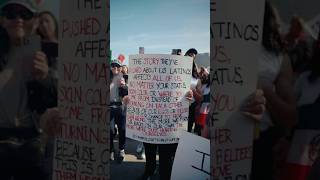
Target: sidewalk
131	168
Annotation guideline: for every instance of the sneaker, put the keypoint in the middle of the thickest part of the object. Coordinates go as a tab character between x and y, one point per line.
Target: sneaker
121	155
112	156
141	156
140	147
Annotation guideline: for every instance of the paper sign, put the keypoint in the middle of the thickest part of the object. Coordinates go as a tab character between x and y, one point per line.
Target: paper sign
81	147
158	106
141	50
192	159
202	60
27	52
236	33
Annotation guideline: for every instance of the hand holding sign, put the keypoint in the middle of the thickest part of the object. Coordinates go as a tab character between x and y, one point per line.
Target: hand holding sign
126	100
189	95
40	66
255	105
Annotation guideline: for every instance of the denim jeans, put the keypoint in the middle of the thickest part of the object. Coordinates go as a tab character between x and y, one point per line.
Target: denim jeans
117	117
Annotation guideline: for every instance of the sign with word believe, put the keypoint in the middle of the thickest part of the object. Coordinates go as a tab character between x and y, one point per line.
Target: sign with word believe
236	33
81	146
192	159
158	107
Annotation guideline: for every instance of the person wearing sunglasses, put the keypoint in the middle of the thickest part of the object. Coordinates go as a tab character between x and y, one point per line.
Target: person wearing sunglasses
117	88
25	86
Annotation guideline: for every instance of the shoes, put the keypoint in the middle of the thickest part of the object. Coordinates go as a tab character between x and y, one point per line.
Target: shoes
141	156
112	156
121	155
140	148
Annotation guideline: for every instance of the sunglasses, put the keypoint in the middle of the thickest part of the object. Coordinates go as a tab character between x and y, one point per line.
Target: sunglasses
115	65
23	14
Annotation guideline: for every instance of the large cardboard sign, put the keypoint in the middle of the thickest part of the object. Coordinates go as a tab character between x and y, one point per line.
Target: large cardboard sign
81	147
158	106
236	33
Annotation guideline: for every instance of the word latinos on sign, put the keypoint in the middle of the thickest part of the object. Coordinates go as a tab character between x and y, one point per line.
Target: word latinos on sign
232	30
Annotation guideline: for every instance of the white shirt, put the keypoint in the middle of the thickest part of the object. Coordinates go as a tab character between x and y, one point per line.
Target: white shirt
269	65
13	90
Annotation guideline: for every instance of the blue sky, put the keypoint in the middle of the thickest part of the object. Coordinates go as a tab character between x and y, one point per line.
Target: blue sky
159	26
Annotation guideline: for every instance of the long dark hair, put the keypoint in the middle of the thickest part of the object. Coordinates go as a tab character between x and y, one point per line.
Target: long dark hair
195	72
55	23
271	39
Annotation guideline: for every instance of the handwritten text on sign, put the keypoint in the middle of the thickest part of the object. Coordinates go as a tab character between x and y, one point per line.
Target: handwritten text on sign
236	33
157	88
192	159
81	147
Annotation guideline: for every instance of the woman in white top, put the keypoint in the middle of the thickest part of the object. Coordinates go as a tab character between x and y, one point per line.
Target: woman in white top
195	86
275	79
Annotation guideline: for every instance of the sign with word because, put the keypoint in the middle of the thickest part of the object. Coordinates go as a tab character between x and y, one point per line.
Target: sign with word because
81	146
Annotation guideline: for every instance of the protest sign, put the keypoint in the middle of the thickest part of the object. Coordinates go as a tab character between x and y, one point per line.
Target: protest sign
141	50
202	60
192	159
157	88
81	147
236	33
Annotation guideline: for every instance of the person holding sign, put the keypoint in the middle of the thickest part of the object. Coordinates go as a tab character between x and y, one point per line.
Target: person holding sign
196	90
307	91
116	114
25	86
204	105
276	81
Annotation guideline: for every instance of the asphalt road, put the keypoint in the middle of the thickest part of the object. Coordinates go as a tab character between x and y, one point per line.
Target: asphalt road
131	168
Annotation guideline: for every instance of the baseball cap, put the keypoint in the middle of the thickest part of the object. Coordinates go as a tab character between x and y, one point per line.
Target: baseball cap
29	4
116	61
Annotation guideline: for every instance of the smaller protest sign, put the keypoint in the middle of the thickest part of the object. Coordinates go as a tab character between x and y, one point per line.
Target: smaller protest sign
192	159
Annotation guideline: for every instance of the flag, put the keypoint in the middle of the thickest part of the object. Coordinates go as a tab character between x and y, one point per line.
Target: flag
302	154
